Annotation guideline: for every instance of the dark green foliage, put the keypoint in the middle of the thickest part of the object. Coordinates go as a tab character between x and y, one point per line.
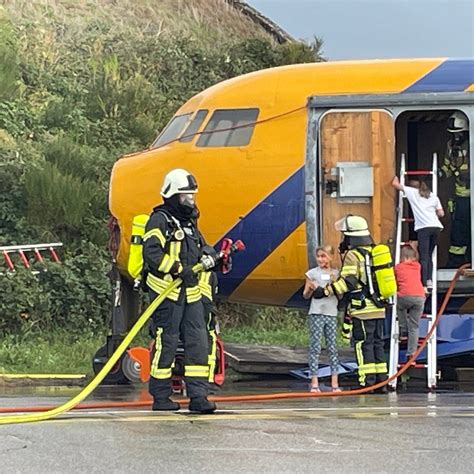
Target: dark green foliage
74	295
9	73
79	87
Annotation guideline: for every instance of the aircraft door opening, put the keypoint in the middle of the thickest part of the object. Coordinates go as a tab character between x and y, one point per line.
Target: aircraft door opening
356	166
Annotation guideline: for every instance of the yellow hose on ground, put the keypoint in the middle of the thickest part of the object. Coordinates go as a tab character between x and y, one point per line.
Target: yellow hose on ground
10	419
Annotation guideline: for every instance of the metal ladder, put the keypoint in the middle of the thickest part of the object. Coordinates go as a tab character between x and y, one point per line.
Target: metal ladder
431	364
23	252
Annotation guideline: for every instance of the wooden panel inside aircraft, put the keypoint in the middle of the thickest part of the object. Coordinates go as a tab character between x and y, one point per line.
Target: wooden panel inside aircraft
365	136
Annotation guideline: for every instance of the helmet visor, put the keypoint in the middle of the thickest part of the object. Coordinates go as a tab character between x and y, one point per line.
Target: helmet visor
341	225
191	187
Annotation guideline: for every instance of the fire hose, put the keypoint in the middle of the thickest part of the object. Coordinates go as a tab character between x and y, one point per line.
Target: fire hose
48	412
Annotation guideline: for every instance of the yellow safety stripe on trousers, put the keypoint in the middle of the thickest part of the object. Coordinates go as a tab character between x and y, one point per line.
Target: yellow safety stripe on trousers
360	355
168	260
457	250
155	371
196	371
380	368
212	355
204	285
158	285
193	294
360	361
155	233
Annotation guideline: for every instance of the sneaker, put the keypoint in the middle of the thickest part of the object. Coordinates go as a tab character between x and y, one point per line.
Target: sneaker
165	404
201	405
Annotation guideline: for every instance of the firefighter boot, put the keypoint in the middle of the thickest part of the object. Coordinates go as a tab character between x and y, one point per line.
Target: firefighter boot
165	404
201	405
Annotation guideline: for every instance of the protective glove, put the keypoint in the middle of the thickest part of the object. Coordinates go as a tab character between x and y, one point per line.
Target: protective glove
319	293
188	276
209	261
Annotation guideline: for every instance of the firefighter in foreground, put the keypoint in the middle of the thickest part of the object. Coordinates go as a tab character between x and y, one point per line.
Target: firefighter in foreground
352	287
172	245
456	163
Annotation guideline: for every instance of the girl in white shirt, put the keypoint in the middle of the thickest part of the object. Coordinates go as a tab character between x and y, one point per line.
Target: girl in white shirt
427	210
322	317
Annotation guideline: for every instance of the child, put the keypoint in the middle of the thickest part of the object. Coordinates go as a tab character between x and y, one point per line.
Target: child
427	210
410	296
322	315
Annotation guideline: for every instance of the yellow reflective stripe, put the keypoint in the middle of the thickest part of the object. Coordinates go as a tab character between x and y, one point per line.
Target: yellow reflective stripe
166	263
457	250
193	294
212	355
204	285
367	368
380	368
461	190
360	361
155	371
175	248
158	285
196	371
155	233
340	286
161	373
349	270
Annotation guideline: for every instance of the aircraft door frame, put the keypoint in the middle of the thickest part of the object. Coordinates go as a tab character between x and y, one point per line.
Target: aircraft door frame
394	104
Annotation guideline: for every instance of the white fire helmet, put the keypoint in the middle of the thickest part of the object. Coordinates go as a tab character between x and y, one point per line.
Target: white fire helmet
178	181
457	123
353	226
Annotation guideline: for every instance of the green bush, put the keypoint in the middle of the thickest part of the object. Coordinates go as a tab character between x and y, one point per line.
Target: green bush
73	295
79	87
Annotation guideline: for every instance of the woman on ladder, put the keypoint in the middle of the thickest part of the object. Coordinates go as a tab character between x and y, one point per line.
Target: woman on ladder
427	210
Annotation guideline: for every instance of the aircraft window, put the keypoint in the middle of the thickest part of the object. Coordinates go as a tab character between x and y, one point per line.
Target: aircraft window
172	130
193	126
230	122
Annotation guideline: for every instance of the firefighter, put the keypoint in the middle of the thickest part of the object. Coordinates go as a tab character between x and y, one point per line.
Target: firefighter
351	287
456	163
172	245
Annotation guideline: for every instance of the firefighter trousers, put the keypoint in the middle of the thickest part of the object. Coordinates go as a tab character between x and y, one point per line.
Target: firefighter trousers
369	350
459	249
171	322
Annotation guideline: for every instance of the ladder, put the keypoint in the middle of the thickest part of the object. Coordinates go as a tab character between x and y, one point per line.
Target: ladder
431	364
23	253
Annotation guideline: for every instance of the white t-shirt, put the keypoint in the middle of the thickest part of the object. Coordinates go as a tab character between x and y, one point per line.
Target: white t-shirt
424	209
328	304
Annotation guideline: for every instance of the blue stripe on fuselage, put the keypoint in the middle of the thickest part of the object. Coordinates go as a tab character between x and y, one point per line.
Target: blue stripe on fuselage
279	214
264	228
452	75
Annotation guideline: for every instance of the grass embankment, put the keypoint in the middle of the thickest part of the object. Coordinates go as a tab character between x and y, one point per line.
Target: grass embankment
62	352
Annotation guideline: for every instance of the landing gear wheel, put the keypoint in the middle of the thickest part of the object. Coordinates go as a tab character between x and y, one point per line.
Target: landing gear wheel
131	369
116	375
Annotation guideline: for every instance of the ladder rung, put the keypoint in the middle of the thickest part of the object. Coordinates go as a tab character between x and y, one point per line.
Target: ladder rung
419	172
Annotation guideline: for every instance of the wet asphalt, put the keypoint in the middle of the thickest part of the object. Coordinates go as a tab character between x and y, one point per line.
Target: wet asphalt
398	432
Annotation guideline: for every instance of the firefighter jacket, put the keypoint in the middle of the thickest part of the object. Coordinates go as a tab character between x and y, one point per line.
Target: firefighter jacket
351	287
168	246
456	163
